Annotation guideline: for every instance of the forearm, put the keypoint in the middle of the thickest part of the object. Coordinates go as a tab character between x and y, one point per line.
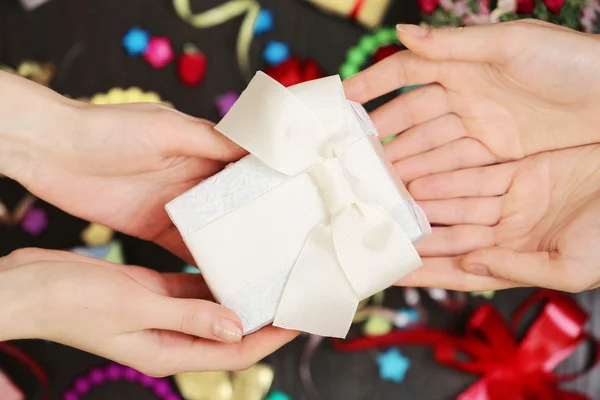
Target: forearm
30	114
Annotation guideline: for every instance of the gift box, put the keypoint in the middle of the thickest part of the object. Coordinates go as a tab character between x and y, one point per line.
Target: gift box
313	221
369	13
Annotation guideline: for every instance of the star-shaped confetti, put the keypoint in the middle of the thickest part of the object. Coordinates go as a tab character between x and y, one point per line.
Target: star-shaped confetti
276	52
393	365
190	269
136	41
405	317
264	22
159	52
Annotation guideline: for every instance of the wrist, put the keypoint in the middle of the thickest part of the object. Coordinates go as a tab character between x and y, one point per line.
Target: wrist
31	118
16	320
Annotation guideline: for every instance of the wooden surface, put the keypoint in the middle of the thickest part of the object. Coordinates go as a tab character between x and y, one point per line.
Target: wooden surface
48	34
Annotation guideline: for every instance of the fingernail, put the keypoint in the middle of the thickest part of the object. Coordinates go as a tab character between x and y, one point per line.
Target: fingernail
413	30
477	270
227	330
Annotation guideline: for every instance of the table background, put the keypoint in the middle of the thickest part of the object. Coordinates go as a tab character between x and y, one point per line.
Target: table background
47	34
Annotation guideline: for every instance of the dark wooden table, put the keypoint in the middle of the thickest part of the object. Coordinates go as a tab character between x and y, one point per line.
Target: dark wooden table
47	34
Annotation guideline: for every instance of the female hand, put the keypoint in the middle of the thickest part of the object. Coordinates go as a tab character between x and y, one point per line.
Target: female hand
532	222
114	165
138	317
501	92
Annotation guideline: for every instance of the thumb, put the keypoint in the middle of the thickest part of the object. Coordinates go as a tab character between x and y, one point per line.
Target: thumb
482	43
203	140
540	269
194	317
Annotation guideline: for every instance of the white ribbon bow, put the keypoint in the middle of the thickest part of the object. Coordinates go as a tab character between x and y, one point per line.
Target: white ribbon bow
359	249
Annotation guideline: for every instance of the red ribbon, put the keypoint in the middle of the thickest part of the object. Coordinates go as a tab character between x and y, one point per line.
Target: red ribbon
293	71
31	364
356	9
510	369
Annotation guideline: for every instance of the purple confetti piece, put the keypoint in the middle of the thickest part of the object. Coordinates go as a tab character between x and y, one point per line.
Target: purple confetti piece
226	101
35	221
82	385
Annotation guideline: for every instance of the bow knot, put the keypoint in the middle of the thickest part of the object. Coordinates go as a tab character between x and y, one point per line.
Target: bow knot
358	249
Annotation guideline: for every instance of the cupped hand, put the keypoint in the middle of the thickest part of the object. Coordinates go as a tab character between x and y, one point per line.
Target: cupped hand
532	222
156	323
117	165
492	93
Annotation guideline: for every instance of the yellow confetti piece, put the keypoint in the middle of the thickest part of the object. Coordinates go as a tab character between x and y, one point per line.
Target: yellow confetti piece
488	294
252	384
223	13
377	326
115	253
96	235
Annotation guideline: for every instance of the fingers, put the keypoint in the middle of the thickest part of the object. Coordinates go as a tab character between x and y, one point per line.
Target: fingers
464	211
456	240
457	155
398	70
193	317
199	139
180	353
426	136
494	43
446	273
409	109
541	269
494	180
171	240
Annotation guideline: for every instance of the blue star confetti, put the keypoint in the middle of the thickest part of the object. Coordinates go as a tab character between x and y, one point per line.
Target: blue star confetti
190	269
136	41
393	365
276	52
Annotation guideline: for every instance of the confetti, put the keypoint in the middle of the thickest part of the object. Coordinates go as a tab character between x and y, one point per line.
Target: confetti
191	67
190	269
159	52
35	221
377	325
278	395
225	101
488	294
264	22
136	41
276	52
393	366
97	235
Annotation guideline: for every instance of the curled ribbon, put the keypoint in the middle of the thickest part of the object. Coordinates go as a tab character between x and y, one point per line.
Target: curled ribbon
510	369
359	249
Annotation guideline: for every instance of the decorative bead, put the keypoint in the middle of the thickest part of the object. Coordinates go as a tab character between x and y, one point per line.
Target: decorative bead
276	52
82	385
135	41
131	374
114	372
377	326
70	396
161	388
159	52
356	56
147	381
264	22
97	376
348	70
368	43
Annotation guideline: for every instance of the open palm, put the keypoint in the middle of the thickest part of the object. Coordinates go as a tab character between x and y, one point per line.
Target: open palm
494	93
529	222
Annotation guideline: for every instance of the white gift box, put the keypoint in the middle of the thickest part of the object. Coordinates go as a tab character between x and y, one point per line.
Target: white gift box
311	222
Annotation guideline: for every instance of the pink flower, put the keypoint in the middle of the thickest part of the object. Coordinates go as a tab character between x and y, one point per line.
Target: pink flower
159	52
